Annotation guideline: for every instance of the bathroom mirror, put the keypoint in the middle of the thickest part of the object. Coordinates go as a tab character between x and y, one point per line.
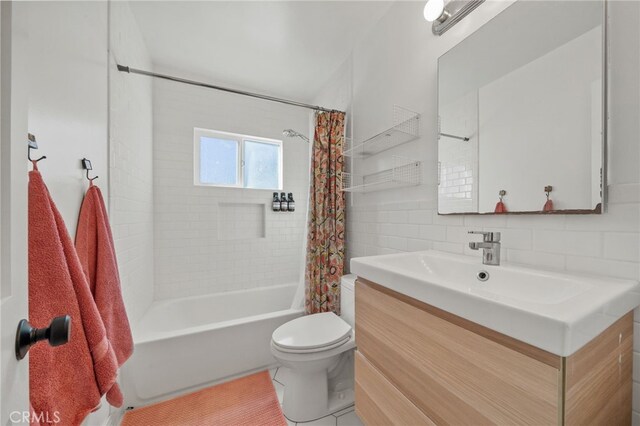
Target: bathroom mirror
521	107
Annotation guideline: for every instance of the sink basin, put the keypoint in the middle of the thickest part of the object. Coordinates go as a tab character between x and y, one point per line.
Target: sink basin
554	311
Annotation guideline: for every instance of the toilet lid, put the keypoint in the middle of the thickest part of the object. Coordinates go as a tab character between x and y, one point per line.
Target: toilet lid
312	332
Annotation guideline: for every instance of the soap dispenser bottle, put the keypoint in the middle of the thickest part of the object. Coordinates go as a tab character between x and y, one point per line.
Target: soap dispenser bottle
291	202
284	205
275	204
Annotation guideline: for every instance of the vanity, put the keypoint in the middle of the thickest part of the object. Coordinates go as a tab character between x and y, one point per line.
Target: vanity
436	345
449	339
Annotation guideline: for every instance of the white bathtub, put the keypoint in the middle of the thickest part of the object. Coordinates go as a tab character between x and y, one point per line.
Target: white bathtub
189	343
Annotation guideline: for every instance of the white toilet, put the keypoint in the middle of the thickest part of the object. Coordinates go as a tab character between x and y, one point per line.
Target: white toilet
317	350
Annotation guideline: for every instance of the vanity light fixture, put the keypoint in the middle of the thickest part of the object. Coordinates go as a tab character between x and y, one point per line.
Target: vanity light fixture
445	16
434	11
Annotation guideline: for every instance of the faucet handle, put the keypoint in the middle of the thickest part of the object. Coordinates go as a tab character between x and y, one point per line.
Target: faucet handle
488	237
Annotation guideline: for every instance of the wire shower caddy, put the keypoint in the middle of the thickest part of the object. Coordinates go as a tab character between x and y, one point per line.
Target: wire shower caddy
406	128
405	172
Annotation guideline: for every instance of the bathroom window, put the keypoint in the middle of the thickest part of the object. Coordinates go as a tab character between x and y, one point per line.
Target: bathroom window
234	160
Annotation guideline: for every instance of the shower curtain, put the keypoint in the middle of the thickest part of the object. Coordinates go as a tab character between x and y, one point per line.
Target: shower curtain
326	227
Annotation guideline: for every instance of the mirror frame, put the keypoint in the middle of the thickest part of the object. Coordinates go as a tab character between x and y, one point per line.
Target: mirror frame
600	207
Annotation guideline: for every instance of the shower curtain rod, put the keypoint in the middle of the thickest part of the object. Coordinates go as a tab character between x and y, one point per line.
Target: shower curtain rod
130	70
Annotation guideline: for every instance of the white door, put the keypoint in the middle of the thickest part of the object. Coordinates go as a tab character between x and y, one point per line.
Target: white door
14	374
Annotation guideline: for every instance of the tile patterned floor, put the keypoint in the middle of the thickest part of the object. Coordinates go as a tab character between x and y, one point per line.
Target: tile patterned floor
345	417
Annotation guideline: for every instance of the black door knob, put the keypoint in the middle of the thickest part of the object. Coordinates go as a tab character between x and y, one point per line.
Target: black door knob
58	333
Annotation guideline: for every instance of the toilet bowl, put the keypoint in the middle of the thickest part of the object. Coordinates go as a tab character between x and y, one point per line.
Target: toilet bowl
317	351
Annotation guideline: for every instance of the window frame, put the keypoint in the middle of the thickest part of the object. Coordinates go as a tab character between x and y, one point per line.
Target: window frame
240	139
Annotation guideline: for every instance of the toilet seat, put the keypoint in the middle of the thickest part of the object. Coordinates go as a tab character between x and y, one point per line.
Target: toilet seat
312	350
312	333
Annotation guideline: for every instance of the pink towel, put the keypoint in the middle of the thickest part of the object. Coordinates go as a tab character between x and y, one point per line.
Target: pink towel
66	380
94	243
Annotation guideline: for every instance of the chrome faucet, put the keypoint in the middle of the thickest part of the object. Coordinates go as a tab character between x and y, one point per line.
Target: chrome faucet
490	246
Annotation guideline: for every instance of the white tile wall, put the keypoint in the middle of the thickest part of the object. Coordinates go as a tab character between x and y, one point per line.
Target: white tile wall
604	253
241	221
131	165
402	52
195	252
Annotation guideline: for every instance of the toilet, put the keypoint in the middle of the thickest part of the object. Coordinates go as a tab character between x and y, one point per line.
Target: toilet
317	351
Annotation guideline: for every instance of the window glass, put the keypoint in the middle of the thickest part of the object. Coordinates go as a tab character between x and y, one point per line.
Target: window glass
261	165
218	161
235	160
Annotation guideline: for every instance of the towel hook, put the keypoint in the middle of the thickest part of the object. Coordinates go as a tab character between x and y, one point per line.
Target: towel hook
86	164
33	145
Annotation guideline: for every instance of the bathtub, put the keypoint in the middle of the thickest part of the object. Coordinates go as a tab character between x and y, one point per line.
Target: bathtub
189	343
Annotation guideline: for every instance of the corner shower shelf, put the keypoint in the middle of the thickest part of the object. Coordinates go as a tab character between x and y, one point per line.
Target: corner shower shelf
405	129
406	172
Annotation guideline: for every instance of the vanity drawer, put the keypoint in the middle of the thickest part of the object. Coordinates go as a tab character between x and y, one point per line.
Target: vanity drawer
378	402
451	373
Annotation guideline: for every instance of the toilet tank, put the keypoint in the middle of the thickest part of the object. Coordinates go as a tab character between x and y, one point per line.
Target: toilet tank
348	300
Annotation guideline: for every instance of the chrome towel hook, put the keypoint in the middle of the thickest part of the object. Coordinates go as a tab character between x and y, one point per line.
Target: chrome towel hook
86	164
33	145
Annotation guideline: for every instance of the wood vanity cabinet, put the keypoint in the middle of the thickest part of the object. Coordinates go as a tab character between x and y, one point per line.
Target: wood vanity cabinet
417	364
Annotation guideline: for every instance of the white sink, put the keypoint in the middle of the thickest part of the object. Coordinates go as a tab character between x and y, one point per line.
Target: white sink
553	311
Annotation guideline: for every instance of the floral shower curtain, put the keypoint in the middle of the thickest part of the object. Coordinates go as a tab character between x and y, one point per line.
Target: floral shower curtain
326	228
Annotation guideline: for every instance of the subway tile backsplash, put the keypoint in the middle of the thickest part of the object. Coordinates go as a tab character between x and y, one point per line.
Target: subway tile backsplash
606	244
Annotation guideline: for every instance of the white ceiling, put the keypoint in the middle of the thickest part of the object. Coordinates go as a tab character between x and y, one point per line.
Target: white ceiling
279	48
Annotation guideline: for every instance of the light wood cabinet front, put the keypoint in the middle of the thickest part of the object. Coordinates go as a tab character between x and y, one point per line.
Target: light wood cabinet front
455	372
379	402
598	378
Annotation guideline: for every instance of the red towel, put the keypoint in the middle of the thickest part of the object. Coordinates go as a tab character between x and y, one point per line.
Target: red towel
548	206
500	207
66	380
94	243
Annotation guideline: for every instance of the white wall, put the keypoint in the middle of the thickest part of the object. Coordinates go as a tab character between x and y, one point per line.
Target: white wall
396	64
131	161
337	92
192	256
67	102
68	97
